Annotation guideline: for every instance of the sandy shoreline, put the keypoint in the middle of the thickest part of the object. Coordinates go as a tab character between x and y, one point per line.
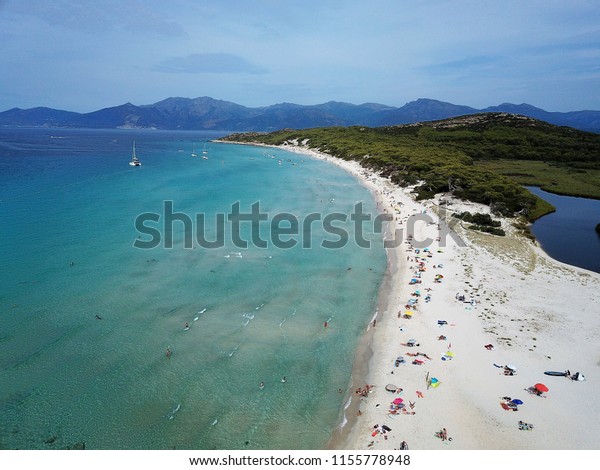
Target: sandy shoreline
538	314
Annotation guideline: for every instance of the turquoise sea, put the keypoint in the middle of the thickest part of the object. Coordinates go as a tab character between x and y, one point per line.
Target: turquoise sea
86	318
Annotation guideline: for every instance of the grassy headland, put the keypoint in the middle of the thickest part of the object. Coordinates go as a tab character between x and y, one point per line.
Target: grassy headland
483	158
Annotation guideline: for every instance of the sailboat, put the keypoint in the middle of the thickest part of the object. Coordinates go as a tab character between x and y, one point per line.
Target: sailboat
194	154
205	153
134	159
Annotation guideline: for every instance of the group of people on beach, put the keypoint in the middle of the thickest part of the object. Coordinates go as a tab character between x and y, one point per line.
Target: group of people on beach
364	391
443	435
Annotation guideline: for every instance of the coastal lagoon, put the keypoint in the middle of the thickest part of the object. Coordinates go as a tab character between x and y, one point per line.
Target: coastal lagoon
86	318
569	235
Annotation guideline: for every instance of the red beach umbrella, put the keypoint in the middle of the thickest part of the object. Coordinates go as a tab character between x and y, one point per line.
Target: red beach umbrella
397	401
541	387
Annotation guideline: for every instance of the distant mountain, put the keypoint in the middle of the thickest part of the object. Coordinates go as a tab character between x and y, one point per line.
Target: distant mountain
37	117
205	113
583	120
423	110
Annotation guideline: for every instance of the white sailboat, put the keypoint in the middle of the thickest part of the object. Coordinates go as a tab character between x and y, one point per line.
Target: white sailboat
134	159
205	153
194	154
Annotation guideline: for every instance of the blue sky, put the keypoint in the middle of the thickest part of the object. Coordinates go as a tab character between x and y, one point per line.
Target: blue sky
87	55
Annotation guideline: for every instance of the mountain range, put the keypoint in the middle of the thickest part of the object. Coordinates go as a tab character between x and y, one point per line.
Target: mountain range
205	113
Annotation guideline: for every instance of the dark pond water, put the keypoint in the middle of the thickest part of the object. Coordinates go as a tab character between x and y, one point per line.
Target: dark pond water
569	235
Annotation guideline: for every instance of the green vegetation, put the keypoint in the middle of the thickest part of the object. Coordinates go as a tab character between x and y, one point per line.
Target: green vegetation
484	228
474	157
550	176
478	219
482	223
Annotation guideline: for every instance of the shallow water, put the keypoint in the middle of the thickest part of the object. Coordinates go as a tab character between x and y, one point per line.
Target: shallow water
68	203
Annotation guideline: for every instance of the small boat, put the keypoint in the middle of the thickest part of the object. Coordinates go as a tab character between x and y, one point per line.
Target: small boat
194	154
134	159
555	373
205	153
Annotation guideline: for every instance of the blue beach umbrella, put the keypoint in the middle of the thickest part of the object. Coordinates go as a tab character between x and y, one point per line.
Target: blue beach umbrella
516	401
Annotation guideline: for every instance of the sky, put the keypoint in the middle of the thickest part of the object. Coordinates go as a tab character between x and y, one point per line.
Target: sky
91	54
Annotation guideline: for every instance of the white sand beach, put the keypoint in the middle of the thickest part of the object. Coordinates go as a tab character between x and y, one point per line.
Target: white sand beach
536	313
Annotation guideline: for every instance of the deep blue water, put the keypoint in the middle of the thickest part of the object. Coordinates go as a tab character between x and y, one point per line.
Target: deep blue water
68	202
569	235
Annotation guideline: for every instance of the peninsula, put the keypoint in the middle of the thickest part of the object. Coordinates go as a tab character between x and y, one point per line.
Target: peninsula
473	344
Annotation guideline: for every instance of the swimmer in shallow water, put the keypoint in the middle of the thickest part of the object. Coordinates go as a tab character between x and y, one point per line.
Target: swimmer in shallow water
262	385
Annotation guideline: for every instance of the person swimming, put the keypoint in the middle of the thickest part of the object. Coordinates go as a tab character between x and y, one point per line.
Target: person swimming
261	385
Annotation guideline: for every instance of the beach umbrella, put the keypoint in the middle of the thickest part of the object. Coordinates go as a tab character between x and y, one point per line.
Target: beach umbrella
391	388
511	367
397	401
516	401
408	313
541	388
